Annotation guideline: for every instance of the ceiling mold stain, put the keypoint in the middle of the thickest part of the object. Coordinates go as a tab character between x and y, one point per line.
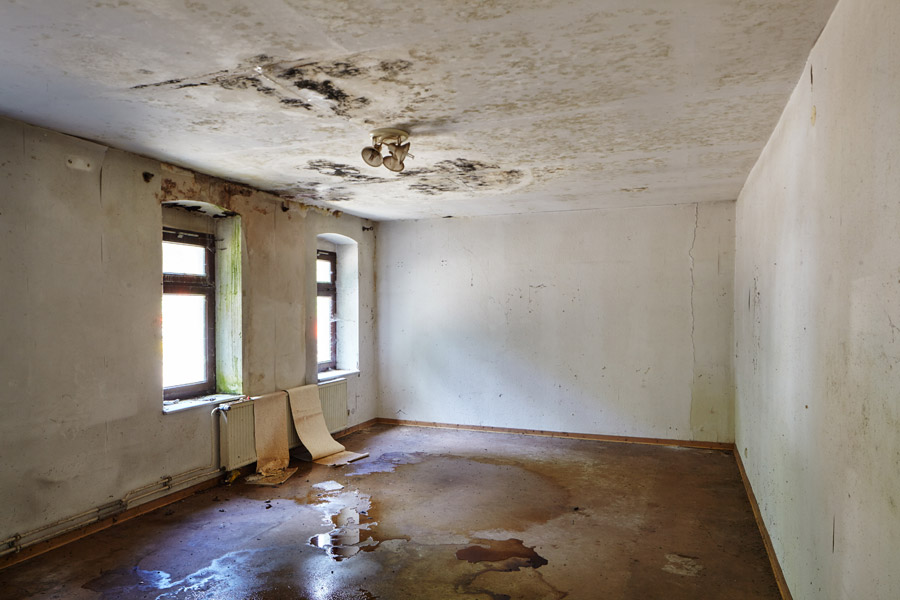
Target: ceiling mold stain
295	102
168	82
341	69
241	82
346	172
312	85
459	175
462	175
393	68
309	78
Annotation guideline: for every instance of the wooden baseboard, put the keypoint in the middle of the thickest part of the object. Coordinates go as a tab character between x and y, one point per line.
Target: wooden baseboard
562	434
66	538
354	428
767	541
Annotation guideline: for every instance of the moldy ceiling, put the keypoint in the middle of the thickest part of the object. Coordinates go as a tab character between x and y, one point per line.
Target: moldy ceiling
513	106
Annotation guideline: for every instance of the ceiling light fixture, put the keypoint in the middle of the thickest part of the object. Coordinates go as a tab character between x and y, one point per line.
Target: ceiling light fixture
372	155
395	141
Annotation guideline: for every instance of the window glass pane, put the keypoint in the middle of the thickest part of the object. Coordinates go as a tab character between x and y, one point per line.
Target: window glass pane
184	259
323	271
323	328
184	339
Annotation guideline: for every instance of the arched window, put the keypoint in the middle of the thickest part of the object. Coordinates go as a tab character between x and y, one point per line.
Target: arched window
337	304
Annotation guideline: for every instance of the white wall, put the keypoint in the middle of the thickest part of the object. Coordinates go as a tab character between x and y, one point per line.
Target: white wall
610	322
80	265
817	311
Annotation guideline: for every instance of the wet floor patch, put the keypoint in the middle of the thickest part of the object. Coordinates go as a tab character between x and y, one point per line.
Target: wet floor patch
240	574
350	535
498	560
612	521
443	495
513	552
386	463
328	486
351	513
134	579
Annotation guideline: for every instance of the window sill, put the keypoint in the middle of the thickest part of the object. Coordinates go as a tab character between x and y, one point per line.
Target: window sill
325	376
171	406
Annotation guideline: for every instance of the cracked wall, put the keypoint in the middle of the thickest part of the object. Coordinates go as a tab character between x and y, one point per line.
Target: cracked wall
607	322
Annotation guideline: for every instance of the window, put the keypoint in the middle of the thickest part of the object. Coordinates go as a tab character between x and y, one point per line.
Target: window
188	314
326	310
337	305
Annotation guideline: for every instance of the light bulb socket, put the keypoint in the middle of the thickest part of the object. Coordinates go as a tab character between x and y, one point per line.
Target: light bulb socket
392	163
399	151
372	156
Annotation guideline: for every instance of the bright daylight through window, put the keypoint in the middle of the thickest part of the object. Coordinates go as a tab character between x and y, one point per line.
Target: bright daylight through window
188	314
326	310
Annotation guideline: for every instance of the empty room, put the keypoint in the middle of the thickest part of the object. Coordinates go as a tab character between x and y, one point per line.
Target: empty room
480	299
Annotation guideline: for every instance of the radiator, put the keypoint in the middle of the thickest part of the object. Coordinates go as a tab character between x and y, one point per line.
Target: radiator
333	396
237	441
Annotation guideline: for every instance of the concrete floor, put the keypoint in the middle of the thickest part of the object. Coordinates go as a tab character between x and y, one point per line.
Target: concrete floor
437	513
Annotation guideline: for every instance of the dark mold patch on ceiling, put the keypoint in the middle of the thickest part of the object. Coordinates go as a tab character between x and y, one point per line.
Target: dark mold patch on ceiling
343	103
168	82
241	82
461	175
347	172
293	82
393	68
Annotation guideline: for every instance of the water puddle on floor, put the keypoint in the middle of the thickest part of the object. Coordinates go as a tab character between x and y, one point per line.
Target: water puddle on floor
349	511
328	486
386	463
515	553
346	539
134	579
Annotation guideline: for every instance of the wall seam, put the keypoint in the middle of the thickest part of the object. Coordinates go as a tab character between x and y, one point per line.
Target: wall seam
693	320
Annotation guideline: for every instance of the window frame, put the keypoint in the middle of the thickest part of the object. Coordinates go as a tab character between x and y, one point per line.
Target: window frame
195	285
328	289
